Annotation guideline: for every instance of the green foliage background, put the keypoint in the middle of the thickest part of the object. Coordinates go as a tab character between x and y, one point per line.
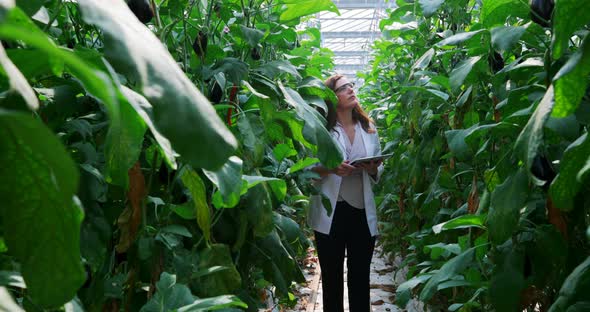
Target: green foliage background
157	167
486	113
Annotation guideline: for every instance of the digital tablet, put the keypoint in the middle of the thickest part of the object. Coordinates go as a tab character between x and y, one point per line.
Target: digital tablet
370	159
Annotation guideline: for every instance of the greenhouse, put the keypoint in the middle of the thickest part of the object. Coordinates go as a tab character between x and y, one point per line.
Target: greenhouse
294	155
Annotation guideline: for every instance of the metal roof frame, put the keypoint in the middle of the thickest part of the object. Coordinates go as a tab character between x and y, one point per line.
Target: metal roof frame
351	34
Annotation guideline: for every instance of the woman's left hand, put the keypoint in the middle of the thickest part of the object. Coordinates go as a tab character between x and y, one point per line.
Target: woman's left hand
371	167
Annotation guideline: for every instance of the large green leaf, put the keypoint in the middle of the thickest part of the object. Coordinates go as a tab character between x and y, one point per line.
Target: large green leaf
20	27
196	187
566	184
299	8
144	109
30	6
252	35
505	37
404	291
123	143
449	270
531	137
314	131
458	38
17	81
229	181
258	205
278	265
507	200
178	105
568	16
214	303
575	288
291	231
496	12
221	282
429	7
41	223
459	73
169	295
508	280
571	81
462	222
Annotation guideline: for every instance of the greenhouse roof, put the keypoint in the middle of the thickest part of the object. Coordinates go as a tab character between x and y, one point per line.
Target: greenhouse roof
351	34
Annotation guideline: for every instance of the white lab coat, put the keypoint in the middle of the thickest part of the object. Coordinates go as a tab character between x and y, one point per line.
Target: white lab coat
318	218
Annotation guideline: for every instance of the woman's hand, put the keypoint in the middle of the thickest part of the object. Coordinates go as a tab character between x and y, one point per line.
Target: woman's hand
344	170
372	167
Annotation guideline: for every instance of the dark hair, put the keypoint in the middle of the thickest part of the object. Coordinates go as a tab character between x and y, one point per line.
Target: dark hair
358	114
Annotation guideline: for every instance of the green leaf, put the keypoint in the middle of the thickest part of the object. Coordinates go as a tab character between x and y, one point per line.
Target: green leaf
314	86
123	143
282	151
252	137
178	105
41	223
258	205
291	231
144	109
459	38
568	17
252	35
459	73
196	187
185	211
303	163
571	81
531	137
504	38
462	222
566	184
449	270
508	281
169	295
313	130
507	200
221	282
496	12
575	288
278	265
30	6
429	7
276	68
229	181
214	303
299	8
403	292
17	81
20	27
424	60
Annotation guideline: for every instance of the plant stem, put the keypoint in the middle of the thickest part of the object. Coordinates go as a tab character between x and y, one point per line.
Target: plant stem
54	17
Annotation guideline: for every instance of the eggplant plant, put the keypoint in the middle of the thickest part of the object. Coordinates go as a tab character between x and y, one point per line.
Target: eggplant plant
149	161
485	107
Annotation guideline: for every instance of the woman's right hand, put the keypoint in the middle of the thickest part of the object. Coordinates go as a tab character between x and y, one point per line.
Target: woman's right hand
344	170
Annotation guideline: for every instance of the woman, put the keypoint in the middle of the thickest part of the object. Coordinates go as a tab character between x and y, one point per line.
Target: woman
353	224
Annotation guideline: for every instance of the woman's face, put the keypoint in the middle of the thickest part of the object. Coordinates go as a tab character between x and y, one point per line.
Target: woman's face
344	91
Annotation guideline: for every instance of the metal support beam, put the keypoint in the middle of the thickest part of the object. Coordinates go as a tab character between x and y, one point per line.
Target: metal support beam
350	53
350	34
364	4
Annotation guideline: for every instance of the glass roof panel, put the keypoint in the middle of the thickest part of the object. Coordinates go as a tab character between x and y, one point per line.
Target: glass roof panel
351	33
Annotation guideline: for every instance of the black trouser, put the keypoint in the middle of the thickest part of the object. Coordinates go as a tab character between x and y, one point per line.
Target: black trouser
349	232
